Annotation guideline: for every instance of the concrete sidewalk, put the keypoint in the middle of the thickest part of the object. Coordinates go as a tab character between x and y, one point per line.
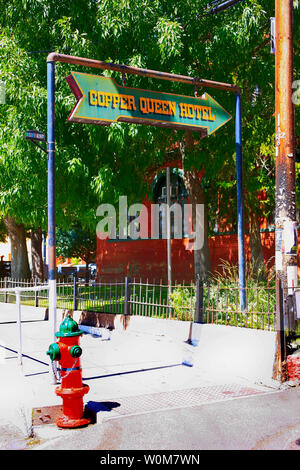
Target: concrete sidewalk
259	422
135	377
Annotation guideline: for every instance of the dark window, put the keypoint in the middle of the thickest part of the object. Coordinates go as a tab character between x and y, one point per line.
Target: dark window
179	196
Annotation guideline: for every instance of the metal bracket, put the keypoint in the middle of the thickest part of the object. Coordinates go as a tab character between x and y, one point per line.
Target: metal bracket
280	135
33	141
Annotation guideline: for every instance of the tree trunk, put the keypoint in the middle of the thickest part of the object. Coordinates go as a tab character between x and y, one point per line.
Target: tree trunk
19	255
257	256
36	254
193	185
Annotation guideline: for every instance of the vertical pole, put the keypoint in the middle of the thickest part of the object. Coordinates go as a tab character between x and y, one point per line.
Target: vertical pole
285	192
199	301
169	259
36	296
240	203
75	292
51	201
44	248
127	296
19	324
5	294
285	212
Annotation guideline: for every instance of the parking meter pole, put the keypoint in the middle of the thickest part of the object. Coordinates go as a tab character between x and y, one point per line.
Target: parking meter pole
51	203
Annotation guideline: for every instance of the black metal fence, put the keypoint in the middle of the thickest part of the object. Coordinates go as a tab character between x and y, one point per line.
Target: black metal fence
209	302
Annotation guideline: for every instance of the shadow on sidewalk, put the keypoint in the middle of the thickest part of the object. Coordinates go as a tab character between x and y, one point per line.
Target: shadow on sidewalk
131	372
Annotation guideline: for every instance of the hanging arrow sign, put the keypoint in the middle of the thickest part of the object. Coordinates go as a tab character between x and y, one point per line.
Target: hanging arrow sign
101	101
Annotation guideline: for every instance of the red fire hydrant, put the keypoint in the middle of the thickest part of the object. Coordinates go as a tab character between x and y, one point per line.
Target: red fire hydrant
67	352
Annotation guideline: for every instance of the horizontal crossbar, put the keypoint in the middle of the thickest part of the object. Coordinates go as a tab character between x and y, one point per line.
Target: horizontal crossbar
125	69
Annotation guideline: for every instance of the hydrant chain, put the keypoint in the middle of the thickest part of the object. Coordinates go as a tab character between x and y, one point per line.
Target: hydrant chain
69	370
56	371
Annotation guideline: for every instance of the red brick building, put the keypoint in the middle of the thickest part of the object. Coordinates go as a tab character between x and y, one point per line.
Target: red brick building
146	258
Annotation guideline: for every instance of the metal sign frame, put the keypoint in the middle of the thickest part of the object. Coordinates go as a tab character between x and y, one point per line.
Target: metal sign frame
124	69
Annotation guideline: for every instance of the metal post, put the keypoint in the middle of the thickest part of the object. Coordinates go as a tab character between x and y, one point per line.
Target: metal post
51	201
169	259
44	248
199	307
5	295
75	292
36	297
127	296
19	324
240	203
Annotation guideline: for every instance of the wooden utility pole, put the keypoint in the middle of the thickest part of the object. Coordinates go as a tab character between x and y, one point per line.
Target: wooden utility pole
285	212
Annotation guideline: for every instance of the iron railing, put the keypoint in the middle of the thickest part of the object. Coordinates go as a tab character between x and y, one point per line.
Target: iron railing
209	302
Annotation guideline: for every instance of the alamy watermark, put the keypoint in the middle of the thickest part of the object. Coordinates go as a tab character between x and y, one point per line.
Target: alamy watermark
133	222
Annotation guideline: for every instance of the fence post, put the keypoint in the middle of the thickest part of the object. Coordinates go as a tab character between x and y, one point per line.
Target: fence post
127	295
5	286
36	297
75	293
199	302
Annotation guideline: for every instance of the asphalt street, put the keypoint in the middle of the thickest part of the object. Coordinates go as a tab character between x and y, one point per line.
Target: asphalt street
141	398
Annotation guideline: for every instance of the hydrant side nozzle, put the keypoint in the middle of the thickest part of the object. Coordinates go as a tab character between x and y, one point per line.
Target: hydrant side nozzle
54	352
76	351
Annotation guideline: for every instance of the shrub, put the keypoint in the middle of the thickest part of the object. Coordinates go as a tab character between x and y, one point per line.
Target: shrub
221	299
183	301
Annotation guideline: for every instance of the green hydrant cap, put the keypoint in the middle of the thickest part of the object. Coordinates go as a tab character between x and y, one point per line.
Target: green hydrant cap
68	327
54	352
76	351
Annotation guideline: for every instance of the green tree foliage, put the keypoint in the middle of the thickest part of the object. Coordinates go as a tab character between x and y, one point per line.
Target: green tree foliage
76	242
97	164
3	232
